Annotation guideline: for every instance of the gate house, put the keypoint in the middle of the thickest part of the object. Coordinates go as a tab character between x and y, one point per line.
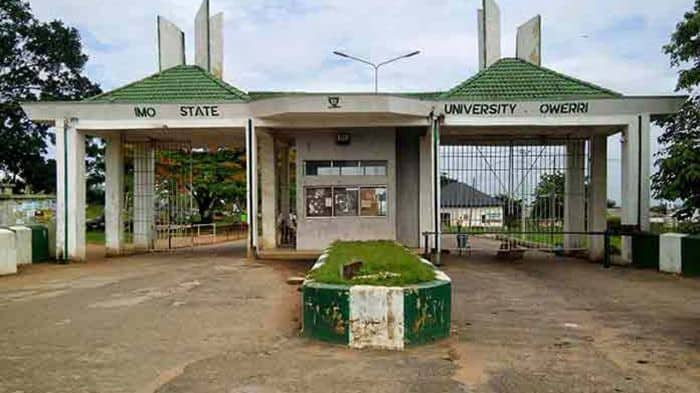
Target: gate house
368	166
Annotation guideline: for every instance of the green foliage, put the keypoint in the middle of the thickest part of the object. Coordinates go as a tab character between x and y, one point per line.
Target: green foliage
512	209
38	61
684	49
377	256
678	161
218	177
678	177
549	197
95	168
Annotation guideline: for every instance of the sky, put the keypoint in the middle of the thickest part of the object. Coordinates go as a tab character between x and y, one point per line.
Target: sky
288	44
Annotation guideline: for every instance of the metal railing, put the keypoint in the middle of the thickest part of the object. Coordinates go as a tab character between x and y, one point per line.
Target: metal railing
513	241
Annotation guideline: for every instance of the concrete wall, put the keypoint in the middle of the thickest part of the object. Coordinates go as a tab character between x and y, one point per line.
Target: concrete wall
366	144
408	185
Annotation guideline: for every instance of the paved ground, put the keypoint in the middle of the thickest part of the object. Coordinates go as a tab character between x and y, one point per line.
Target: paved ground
208	321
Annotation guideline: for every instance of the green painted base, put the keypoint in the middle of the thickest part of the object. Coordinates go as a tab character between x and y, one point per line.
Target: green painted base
326	312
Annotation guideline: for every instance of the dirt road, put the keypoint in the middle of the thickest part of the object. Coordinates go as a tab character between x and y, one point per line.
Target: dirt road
210	321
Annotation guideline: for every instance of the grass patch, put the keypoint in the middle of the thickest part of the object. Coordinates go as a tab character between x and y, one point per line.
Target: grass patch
95	237
384	263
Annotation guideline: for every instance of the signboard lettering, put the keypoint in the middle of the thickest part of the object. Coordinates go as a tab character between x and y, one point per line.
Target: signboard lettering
480	109
564	108
145	111
199	111
509	109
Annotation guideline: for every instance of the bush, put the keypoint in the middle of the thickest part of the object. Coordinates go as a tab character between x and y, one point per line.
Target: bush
614	222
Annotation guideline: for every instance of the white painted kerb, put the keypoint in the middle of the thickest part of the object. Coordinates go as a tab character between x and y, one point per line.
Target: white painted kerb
8	253
670	252
23	244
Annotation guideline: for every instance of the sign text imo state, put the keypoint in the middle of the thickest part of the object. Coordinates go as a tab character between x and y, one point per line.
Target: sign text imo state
477	109
183	111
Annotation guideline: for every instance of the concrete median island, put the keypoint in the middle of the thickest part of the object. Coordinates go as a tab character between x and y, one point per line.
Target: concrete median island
375	294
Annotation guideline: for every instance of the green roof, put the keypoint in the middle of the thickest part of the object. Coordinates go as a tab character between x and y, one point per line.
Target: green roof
515	79
184	83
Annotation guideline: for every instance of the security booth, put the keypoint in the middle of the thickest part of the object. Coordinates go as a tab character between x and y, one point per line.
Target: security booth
516	154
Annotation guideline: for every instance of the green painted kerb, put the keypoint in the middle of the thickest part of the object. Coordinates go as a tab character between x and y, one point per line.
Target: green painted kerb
326	312
690	256
427	312
645	250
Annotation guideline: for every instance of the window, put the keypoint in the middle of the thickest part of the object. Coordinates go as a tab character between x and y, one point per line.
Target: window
445	219
345	168
345	201
348	201
319	202
349	168
374	168
319	168
373	201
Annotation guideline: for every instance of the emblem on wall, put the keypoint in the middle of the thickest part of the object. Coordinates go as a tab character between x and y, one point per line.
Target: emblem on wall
333	102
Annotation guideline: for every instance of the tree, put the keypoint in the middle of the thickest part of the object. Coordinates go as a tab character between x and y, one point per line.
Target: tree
678	161
218	177
38	61
549	197
512	210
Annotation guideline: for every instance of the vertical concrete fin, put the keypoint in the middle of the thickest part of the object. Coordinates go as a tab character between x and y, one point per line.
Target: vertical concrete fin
202	53
528	42
171	45
216	44
481	46
492	32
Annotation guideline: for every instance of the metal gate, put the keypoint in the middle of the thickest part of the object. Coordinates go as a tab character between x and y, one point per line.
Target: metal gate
507	195
158	201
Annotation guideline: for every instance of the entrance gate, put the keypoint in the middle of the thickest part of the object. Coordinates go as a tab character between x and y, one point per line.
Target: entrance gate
509	196
158	202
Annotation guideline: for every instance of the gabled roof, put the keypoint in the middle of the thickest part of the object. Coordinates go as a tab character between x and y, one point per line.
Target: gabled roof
515	79
184	83
458	194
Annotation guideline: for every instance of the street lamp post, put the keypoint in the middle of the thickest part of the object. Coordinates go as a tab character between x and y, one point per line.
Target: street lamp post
376	65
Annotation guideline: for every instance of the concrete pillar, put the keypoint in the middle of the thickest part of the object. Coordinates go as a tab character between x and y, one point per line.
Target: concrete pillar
268	183
70	191
598	196
574	194
425	217
144	180
635	179
283	178
114	194
251	187
282	153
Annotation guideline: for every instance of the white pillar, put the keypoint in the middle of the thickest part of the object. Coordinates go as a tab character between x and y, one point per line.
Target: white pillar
70	191
283	181
268	183
598	196
251	188
144	179
114	194
425	217
635	178
574	194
